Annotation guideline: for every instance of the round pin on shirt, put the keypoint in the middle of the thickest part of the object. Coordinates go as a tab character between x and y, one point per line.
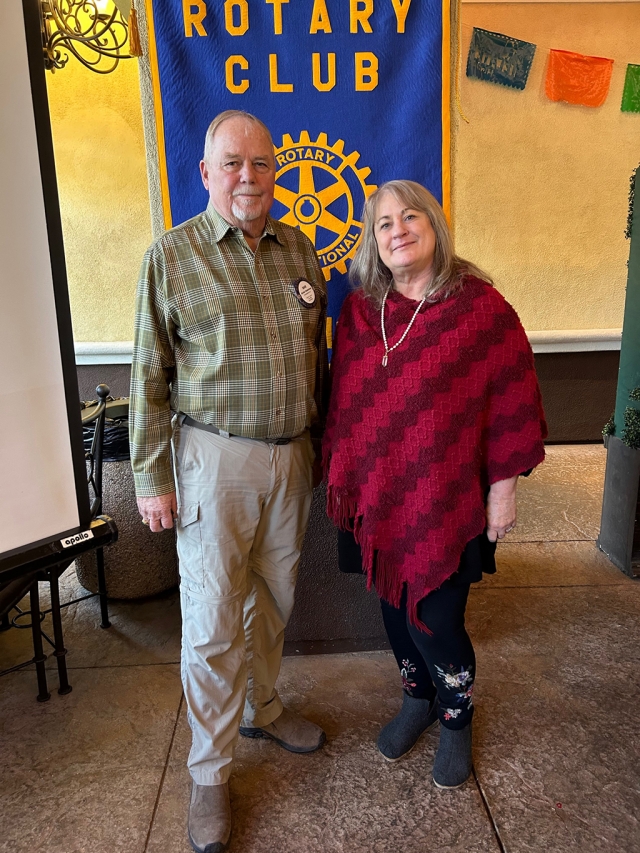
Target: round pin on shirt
305	293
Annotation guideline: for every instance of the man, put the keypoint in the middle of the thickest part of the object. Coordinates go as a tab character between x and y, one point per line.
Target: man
230	343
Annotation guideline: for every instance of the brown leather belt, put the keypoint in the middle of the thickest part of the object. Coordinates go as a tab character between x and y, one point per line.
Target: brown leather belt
185	419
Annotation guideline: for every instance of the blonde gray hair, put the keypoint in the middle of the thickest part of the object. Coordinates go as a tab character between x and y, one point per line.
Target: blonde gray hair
225	116
369	273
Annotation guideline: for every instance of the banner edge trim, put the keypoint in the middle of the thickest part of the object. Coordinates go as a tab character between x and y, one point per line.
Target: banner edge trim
157	109
446	109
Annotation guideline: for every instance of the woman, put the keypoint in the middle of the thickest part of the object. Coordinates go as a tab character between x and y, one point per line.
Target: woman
435	411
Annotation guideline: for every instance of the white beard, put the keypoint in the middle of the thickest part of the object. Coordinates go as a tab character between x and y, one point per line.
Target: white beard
247	212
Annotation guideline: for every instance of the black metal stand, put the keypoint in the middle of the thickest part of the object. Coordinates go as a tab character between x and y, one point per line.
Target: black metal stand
59	650
102	589
49	562
39	656
95	480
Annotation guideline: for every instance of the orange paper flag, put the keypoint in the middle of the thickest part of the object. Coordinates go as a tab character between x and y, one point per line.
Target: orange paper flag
578	79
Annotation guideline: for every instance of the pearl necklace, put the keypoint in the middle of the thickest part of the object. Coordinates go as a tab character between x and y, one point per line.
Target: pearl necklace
387	348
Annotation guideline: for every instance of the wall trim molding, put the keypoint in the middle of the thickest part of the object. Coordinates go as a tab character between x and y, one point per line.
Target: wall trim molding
567	340
575	340
103	352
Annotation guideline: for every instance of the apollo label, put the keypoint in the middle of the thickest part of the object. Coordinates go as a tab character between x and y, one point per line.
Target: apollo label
76	539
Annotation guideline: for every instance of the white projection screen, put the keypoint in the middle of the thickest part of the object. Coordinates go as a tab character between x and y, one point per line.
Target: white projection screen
43	492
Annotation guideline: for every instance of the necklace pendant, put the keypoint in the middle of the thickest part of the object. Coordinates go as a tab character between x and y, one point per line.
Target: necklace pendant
385	359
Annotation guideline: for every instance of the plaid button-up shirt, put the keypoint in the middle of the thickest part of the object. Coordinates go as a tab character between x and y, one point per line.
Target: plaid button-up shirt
222	336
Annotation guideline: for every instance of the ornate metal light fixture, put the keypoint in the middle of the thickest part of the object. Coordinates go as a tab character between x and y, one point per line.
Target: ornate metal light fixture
94	31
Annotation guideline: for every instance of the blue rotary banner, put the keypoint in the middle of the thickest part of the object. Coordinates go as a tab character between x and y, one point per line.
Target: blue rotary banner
355	93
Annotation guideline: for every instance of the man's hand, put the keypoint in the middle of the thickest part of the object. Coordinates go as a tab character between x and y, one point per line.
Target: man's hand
158	512
501	509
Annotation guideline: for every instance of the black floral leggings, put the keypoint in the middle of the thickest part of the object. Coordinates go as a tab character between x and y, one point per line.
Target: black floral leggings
442	662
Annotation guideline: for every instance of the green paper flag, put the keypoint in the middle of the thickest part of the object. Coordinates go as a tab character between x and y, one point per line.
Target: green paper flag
631	91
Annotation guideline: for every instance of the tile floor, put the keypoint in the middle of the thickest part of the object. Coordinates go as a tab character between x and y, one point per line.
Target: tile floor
557	747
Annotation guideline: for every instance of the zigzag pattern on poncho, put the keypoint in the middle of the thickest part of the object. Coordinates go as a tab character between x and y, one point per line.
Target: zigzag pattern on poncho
410	449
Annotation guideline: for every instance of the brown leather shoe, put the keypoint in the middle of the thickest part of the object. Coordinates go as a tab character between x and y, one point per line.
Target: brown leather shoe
290	731
209	818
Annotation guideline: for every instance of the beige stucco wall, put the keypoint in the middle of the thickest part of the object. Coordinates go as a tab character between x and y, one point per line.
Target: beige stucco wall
539	188
104	199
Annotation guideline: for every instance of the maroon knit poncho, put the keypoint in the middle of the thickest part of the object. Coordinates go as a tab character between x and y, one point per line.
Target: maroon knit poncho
411	448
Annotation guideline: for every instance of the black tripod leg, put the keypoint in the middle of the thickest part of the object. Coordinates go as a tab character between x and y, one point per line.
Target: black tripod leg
102	589
59	650
39	656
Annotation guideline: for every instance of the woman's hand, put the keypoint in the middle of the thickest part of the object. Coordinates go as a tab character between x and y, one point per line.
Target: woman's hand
501	508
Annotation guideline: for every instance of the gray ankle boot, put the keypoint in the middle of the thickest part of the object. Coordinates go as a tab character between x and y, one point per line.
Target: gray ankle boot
453	763
399	736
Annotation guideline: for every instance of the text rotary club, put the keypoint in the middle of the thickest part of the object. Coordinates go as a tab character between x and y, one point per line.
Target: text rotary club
323	70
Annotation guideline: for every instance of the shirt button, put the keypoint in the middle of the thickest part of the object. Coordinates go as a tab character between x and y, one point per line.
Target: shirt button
273	336
278	412
279	374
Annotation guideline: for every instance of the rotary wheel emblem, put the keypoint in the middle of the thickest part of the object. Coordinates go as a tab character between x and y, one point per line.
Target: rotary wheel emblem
321	191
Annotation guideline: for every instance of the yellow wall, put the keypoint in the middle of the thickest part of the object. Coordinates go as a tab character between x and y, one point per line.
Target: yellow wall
539	188
104	198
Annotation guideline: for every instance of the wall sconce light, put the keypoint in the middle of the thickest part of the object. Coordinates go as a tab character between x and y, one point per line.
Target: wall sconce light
94	31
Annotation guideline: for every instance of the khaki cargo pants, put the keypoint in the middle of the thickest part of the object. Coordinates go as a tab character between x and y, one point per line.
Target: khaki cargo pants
243	507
